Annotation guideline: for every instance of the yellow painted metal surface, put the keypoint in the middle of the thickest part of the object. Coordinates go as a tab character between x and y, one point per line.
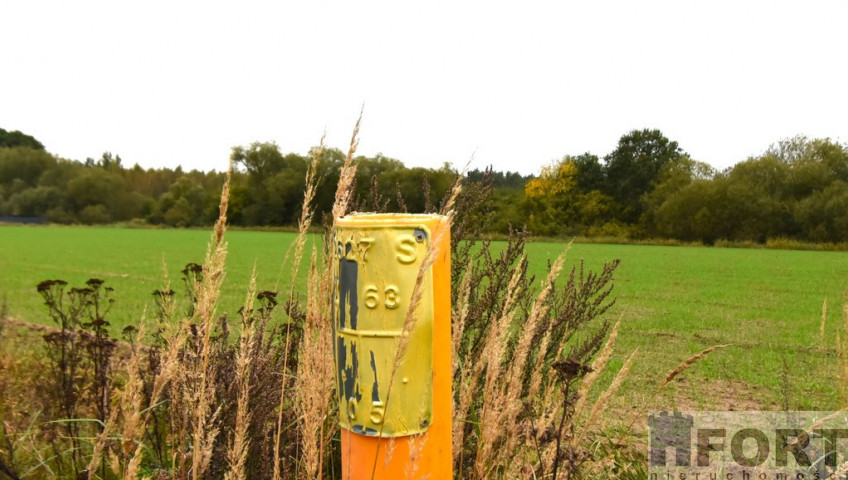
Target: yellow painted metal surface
377	259
376	262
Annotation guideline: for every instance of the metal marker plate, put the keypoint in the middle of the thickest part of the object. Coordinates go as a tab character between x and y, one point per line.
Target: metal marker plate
374	270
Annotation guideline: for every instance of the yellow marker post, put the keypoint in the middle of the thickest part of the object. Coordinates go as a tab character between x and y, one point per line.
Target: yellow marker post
376	260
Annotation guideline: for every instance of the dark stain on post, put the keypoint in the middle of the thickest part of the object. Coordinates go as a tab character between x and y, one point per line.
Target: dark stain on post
375	392
348	278
348	375
348	308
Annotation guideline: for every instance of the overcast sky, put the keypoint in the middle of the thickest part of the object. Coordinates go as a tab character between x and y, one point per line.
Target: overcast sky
517	84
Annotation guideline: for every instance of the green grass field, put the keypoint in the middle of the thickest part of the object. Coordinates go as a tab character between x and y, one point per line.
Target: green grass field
673	302
133	262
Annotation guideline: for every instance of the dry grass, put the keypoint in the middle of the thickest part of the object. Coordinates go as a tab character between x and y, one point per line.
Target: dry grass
314	381
683	366
344	191
238	448
842	354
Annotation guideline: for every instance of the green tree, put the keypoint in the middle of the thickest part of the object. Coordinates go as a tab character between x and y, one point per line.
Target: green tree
673	177
421	188
24	164
16	138
275	183
552	198
33	202
96	186
381	170
823	216
183	205
591	174
694	212
558	203
633	167
261	160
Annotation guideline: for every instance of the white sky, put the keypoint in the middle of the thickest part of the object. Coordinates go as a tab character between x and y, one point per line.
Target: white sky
167	83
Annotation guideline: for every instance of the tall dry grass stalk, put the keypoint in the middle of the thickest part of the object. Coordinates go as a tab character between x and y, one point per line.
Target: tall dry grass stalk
306	212
240	442
344	191
604	399
502	400
314	381
822	324
490	363
205	428
686	364
188	380
129	413
458	315
598	366
134	411
842	354
313	384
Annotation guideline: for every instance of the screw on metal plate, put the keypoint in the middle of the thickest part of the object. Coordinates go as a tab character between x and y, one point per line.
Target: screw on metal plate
420	235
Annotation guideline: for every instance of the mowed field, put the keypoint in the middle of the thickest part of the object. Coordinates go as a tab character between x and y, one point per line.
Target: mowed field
672	302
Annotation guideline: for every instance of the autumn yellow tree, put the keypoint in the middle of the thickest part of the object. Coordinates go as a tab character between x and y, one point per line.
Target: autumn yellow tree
551	197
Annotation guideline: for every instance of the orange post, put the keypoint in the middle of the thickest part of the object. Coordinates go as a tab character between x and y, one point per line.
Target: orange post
394	412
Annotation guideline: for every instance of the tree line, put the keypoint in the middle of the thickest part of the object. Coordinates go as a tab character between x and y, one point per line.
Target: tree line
647	187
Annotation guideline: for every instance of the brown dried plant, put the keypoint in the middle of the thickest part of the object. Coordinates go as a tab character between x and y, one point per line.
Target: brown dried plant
683	366
344	191
842	354
205	413
521	351
308	392
314	382
238	447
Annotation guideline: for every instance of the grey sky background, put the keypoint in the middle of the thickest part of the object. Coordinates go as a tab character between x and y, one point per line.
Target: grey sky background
516	84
